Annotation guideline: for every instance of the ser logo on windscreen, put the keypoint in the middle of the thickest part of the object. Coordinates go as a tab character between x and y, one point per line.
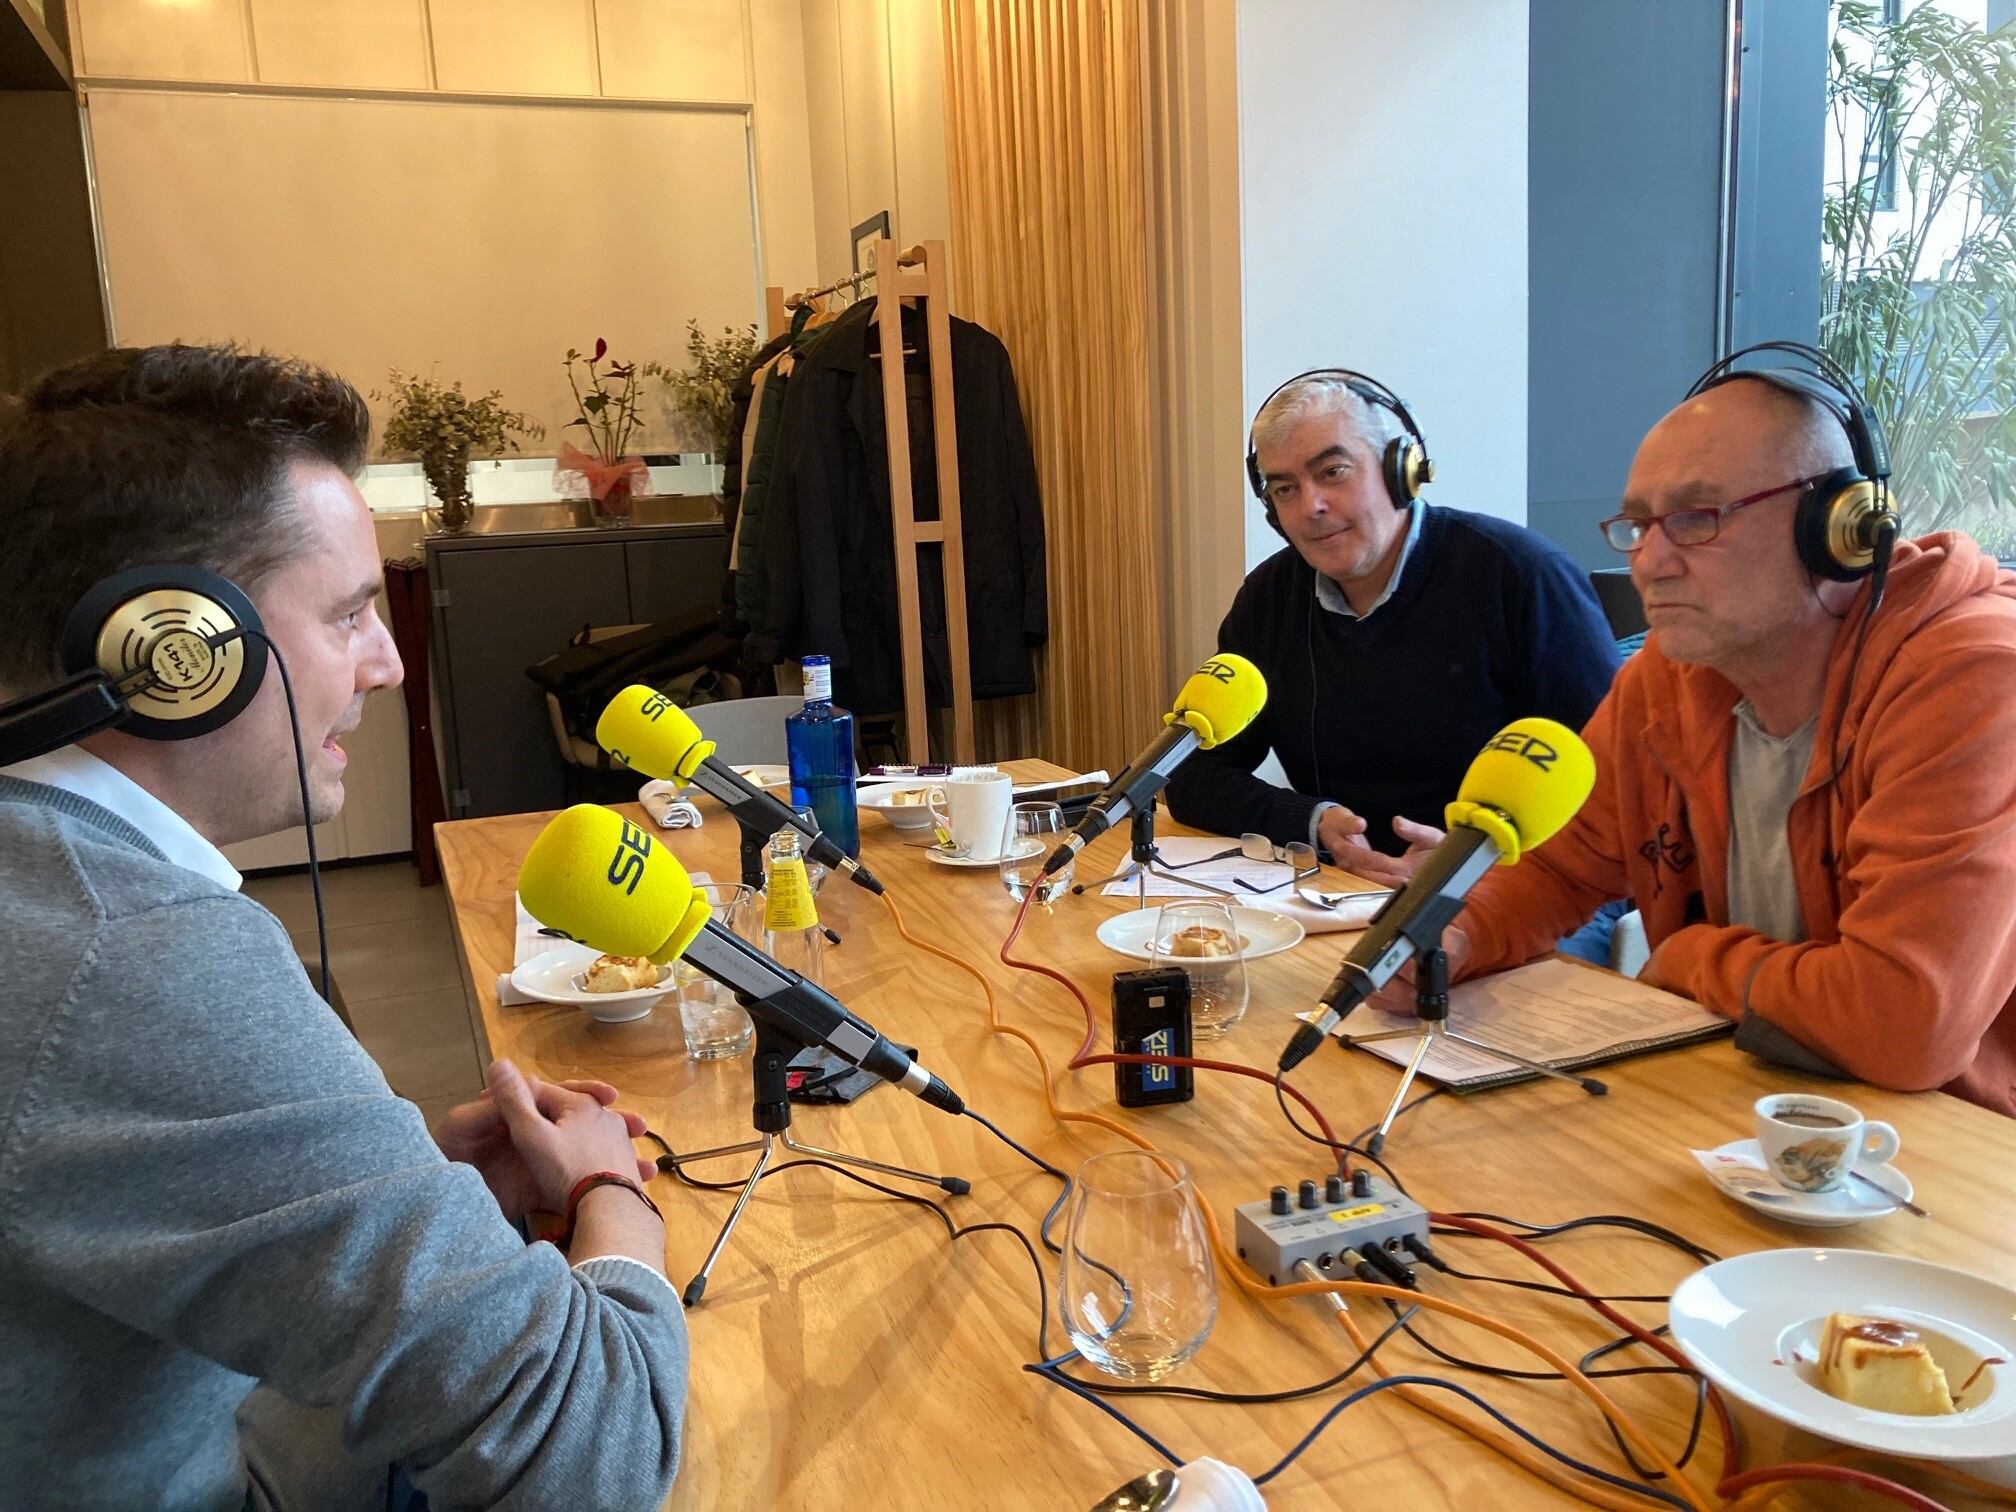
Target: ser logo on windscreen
626	867
1527	747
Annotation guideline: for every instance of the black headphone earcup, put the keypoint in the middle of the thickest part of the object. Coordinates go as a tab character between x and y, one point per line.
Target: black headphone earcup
164	619
1404	465
1838	523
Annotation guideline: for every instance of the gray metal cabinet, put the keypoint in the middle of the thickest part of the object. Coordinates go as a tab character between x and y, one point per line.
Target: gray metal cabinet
505	601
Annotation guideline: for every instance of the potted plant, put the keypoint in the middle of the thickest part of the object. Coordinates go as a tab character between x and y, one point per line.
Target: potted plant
441	426
606	397
703	394
1918	248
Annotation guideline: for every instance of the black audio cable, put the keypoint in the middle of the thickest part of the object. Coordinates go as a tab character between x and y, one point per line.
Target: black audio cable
307	815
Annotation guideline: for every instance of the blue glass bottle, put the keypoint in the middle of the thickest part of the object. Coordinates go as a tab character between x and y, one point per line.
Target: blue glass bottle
820	742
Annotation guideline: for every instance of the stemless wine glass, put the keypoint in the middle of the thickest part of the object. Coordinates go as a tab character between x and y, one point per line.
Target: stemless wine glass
1202	940
717	1027
1032	832
1136	1286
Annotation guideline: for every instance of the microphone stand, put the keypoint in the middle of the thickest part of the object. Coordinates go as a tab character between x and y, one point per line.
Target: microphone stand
771	1114
1431	1006
1144	860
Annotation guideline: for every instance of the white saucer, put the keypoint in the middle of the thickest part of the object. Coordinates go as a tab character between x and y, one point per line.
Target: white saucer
555	977
1851	1202
942	859
1264	931
1738	1318
766	775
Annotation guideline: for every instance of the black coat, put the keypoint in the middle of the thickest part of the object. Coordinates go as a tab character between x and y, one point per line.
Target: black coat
829	544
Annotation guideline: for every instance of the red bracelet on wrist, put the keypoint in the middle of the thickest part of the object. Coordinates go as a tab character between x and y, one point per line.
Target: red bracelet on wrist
588	1184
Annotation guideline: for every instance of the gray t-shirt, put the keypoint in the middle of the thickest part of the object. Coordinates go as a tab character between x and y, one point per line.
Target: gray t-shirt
1765	773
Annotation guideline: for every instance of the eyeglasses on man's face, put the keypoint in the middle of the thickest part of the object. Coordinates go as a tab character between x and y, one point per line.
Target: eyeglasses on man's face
1687	527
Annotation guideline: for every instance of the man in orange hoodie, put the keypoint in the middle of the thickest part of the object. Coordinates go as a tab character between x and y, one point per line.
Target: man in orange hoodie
1820	832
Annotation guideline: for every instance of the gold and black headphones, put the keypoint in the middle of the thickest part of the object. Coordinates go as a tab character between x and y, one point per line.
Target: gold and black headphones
1405	466
163	652
1845	521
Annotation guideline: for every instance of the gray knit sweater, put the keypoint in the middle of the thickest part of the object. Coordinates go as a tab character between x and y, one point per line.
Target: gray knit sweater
207	1187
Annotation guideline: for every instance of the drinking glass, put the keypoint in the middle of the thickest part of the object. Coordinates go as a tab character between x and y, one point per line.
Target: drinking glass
1135	1285
1032	832
1217	981
717	1027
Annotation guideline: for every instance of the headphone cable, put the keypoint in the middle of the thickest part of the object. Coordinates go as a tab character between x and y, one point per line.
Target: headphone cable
307	816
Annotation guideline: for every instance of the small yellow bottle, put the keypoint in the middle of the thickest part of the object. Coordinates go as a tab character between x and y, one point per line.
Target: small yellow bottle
791	931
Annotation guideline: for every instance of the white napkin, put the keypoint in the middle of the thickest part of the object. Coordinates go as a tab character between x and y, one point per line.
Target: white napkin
1354	914
668	804
528	944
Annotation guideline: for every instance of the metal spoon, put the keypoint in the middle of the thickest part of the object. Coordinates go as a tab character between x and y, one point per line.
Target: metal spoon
1144	1493
1317	899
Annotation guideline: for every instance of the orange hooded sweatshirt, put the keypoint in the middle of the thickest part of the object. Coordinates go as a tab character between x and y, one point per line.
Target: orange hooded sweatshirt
1906	868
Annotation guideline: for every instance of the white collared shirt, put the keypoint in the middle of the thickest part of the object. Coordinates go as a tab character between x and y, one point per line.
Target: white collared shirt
1331	597
77	771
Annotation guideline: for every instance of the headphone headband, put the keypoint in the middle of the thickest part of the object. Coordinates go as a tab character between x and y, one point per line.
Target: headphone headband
1829	384
1845	525
1405	465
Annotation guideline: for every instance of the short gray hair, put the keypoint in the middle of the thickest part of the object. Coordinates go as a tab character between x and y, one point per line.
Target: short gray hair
1323	394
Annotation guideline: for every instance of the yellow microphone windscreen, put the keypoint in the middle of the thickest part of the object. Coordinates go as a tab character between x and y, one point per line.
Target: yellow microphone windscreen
608	884
1220	699
1536	773
648	733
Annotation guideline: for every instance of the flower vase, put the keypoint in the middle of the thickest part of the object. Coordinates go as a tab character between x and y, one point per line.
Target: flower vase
454	512
614	507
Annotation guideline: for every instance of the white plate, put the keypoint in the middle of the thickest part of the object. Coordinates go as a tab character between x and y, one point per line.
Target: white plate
1265	932
766	776
1851	1202
905	816
555	977
1737	1318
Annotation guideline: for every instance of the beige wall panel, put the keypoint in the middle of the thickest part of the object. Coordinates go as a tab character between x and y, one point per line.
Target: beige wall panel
146	39
866	113
827	128
476	241
357	44
917	106
784	144
672	49
514	46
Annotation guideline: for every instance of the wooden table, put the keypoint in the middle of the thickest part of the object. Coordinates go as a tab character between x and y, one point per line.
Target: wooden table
847	1356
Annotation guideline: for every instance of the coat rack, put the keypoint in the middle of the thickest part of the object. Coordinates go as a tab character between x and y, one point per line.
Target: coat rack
915	274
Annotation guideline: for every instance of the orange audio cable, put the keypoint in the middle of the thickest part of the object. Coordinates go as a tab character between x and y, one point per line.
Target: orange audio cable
1742	1489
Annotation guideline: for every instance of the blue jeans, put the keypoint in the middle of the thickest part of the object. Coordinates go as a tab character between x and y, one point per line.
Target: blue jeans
1592	941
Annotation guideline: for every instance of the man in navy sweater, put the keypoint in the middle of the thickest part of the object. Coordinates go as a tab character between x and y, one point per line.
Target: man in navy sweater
1395	638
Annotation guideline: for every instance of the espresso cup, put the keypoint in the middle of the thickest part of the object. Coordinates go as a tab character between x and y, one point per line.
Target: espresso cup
1811	1143
973	804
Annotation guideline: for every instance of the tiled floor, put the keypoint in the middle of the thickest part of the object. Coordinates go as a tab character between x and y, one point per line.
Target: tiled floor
392	954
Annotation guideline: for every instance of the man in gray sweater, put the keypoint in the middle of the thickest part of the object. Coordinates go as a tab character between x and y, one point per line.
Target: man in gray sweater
235	1270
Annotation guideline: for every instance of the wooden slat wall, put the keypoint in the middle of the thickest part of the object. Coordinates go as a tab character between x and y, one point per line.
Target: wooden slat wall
1043	116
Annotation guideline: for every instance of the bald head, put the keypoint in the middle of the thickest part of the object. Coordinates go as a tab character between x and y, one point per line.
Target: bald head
1752	420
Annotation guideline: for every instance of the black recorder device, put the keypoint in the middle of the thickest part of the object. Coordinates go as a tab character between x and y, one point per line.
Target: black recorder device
1151	1016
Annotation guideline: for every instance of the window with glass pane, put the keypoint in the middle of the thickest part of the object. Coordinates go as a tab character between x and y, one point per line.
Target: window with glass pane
1918	248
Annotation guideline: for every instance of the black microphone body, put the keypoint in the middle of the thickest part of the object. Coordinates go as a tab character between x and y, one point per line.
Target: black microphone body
1135	788
757	810
1411	920
807	1013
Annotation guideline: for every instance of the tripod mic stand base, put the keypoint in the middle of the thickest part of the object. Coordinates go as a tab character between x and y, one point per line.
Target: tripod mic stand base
768	1145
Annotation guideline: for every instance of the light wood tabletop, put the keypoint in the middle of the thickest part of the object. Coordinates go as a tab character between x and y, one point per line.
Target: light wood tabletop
847	1355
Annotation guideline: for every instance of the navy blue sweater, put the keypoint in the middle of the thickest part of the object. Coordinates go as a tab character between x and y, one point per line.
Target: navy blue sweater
1490	622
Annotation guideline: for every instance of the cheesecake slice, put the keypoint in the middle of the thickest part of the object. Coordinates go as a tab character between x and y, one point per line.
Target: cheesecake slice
1881	1365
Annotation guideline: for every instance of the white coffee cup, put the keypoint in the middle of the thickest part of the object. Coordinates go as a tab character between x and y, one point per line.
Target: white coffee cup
975	809
1811	1143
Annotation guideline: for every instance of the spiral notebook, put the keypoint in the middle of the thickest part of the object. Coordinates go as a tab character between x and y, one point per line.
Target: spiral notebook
1559	1011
